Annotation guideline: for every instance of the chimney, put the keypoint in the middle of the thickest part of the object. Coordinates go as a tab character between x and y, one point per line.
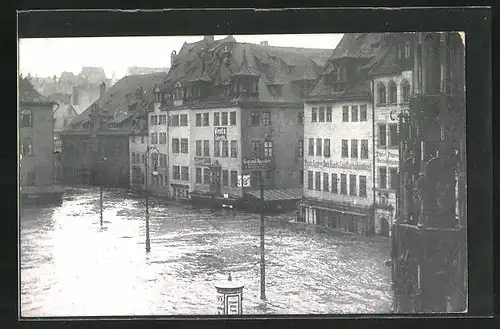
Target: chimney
102	89
208	38
264	43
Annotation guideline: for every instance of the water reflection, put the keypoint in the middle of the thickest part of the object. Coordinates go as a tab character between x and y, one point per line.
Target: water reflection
70	266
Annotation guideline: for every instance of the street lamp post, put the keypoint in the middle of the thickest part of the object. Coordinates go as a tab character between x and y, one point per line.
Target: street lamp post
146	163
101	182
262	250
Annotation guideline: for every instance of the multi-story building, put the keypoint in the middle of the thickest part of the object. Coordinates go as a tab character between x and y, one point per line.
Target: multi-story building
137	150
36	164
97	140
392	86
64	113
233	118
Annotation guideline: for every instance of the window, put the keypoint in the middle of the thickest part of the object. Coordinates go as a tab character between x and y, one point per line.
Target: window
234	178
255	178
362	113
27	147
133	157
364	149
354	148
326	182
206	148
309	180
234	149
206	176
311	146
175	145
26	118
143	140
206	119
266	118
301	177
314	114
343	184
256	152
405	87
382	98
352	185
163	119
317	181
198	119
394	178
184	120
152	120
300	118
407	49
154	138
362	186
216	148
382	177
216	119
176	172
198	148
393	93
354	113
232	118
345	148
382	132
184	145
224	119
225	149
185	173
175	120
329	114
30	178
65	123
393	135
335	181
225	178
163	138
268	148
300	149
255	118
319	146
321	114
163	159
345	113
198	175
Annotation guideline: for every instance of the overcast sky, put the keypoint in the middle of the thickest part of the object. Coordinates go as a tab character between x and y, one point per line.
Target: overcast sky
48	57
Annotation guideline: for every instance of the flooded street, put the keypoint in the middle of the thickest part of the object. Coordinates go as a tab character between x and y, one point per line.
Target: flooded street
71	266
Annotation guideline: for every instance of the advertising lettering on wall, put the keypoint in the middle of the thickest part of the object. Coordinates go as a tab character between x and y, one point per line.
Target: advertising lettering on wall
202	161
389	157
233	304
394	115
335	164
256	163
220	133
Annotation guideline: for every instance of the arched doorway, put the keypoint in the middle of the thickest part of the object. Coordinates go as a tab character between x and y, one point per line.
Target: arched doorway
384	227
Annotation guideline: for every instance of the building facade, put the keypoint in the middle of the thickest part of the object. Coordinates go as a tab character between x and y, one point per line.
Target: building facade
230	117
137	150
36	137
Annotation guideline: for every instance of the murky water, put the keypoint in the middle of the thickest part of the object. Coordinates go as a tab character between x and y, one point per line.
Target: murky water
71	266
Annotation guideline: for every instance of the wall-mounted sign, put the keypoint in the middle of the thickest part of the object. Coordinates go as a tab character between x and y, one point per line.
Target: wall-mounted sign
395	114
201	161
220	133
335	164
244	180
256	163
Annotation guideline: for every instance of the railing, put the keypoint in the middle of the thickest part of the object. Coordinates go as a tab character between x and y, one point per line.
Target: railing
428	269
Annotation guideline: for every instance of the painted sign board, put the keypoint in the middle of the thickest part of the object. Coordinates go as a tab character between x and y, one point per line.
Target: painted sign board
394	115
233	304
220	133
256	163
201	161
220	304
336	164
244	180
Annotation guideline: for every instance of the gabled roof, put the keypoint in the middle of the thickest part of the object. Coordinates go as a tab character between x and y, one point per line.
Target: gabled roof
64	108
123	99
28	94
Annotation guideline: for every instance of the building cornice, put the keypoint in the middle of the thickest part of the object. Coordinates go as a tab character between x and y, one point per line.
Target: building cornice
339	98
242	104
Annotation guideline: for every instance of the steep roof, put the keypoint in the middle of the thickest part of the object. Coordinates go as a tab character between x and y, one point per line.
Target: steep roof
357	45
217	61
28	94
60	98
64	108
122	99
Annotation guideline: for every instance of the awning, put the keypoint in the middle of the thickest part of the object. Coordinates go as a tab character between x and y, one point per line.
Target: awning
279	194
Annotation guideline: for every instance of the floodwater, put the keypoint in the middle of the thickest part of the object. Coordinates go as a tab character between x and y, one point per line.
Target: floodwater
71	266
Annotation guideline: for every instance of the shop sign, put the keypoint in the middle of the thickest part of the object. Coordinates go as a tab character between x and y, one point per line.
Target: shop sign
256	163
334	164
201	161
394	114
220	133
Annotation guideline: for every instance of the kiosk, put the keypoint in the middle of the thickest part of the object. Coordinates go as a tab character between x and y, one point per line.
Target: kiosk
229	297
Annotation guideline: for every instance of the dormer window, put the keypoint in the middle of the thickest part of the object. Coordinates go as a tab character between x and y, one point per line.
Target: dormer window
157	95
